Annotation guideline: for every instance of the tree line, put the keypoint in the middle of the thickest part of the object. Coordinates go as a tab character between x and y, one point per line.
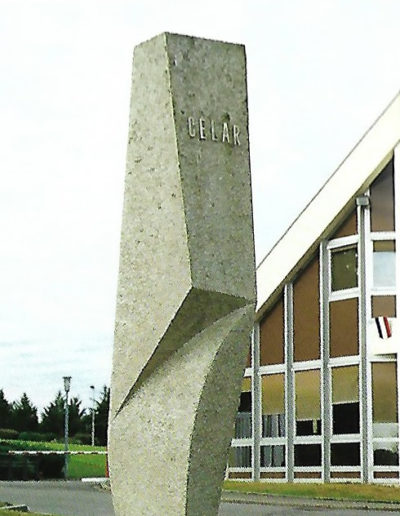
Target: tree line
20	419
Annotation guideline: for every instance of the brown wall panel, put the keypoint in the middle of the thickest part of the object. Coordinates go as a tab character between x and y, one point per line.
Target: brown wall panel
272	336
349	227
343	326
345	474
272	474
383	306
306	313
382	200
243	474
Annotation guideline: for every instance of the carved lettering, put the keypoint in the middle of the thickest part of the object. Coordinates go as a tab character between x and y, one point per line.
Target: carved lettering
191	127
236	132
213	135
202	127
206	129
225	133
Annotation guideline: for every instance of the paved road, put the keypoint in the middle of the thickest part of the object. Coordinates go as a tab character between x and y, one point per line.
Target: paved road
79	499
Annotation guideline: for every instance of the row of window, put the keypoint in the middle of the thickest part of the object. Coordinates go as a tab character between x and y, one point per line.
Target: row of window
342	454
307	402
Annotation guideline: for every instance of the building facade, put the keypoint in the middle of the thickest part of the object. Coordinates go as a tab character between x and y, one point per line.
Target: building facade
320	397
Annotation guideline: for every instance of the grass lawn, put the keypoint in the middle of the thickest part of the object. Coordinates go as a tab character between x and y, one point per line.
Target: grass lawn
364	492
80	466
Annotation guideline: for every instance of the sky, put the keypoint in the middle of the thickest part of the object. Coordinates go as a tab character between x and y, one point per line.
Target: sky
319	73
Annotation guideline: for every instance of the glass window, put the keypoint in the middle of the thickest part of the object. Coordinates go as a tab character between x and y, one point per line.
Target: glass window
382	200
307	455
345	400
272	336
243	427
343	326
240	457
344	268
272	456
386	453
306	322
383	306
384	399
384	260
345	454
308	406
273	405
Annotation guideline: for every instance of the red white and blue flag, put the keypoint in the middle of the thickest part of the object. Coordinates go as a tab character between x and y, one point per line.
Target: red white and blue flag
383	326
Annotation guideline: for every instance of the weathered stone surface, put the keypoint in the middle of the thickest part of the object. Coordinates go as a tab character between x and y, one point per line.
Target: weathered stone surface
187	278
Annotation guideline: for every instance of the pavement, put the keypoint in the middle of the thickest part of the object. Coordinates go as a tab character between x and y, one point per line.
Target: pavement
74	498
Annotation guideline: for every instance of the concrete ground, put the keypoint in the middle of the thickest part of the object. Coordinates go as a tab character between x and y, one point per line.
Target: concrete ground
74	498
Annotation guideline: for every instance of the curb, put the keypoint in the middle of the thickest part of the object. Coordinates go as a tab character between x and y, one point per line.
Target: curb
314	503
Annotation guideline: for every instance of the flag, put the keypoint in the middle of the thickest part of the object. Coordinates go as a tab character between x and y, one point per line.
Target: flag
383	327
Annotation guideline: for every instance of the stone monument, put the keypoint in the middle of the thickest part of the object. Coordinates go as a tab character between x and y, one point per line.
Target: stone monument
186	293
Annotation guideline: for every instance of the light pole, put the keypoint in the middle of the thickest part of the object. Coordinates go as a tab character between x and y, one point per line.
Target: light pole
93	401
67	385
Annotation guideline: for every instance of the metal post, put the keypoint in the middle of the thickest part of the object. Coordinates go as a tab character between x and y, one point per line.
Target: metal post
93	415
67	384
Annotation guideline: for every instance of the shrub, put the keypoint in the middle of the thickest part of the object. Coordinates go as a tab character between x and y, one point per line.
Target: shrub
81	438
25	467
37	436
8	433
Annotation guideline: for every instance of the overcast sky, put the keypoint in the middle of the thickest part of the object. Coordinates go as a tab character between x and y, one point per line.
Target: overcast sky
319	74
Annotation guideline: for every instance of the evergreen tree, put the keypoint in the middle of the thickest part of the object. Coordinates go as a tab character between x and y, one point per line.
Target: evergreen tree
5	411
24	415
76	416
101	416
53	416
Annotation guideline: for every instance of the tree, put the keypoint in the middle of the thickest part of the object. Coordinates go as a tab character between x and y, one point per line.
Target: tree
101	416
53	416
76	415
5	411
24	416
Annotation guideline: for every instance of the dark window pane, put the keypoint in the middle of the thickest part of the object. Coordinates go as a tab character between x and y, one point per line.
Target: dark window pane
272	337
272	456
386	453
308	427
344	268
240	457
345	454
273	425
383	306
245	402
306	322
243	427
307	455
343	324
382	200
346	418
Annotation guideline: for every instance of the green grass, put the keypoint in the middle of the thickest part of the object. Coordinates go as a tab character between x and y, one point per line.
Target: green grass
79	466
361	492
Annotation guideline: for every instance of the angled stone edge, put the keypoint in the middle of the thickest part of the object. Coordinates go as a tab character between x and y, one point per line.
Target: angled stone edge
199	310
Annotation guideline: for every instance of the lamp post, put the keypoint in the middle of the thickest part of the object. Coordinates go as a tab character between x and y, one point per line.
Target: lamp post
93	401
67	385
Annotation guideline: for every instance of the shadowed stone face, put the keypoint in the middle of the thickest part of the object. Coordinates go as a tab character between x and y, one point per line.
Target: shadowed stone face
187	278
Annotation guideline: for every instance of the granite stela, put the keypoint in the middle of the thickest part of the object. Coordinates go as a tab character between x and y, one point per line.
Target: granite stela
186	293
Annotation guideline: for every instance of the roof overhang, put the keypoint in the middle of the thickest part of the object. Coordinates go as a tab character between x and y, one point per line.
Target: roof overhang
327	209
